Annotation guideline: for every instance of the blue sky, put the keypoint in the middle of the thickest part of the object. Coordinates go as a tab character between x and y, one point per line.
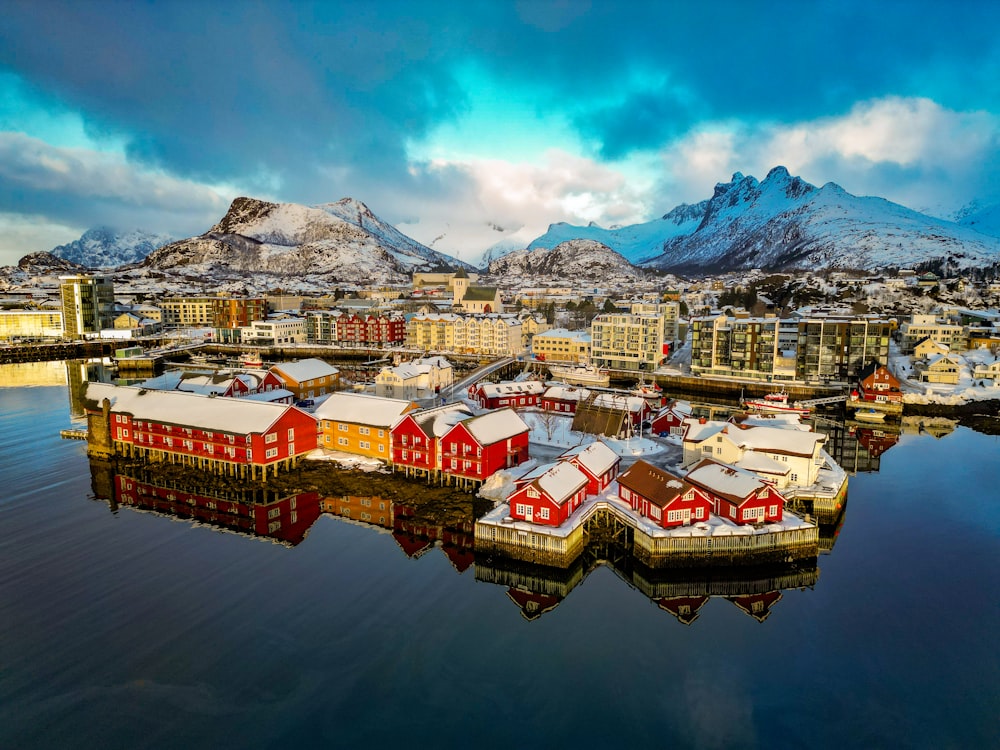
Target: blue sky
470	123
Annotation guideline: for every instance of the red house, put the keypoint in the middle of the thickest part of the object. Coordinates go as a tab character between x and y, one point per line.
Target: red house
219	434
416	437
551	496
666	500
876	383
738	495
563	399
516	394
670	419
477	447
597	461
371	329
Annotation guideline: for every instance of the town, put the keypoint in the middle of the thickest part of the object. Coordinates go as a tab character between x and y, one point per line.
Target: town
550	402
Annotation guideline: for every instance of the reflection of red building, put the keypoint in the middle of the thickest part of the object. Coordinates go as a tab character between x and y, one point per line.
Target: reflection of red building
876	441
285	519
532	604
758	606
684	608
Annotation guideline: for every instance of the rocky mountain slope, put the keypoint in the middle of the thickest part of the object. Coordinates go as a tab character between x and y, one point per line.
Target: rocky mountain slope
103	247
581	259
784	223
288	242
37	268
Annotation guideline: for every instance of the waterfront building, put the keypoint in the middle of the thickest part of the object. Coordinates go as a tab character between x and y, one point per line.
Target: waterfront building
33	324
237	312
371	330
988	371
549	494
415	438
563	398
475	448
532	325
275	331
737	495
562	345
638	341
224	435
670	419
307	378
517	394
188	312
87	304
491	335
360	423
133	322
944	368
597	461
782	456
661	497
876	383
223	383
420	378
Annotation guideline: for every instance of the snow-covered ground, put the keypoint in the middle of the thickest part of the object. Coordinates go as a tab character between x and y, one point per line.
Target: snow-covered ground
967	388
555	430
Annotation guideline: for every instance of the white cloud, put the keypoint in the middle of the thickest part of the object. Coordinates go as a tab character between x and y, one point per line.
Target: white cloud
909	150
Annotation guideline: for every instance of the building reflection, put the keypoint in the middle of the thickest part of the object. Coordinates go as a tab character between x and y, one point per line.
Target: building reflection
79	372
857	448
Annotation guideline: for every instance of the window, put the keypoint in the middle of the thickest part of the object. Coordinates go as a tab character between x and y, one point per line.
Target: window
543	513
706	449
795	477
365	445
271	437
271	453
364	430
381	433
342	427
342	441
274	513
521	509
773	510
291	433
381	448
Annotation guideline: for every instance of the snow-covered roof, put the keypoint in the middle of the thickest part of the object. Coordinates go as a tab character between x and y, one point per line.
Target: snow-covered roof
658	486
563	333
435	361
725	480
437	421
566	393
615	401
698	430
278	394
529	387
305	369
235	415
596	457
360	408
760	463
496	426
561	482
776	439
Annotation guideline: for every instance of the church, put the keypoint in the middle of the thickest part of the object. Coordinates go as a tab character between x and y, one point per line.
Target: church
475	299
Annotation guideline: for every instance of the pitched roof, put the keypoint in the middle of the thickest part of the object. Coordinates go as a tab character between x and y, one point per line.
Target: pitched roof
595	457
360	408
566	393
437	421
728	482
526	387
480	294
235	415
305	369
656	485
561	482
775	439
496	426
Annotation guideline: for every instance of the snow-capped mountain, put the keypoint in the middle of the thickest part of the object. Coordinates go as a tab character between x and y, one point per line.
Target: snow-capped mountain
983	220
37	268
103	247
636	242
584	260
786	223
333	242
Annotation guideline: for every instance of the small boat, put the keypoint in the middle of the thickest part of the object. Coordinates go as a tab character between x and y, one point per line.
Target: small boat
869	415
580	375
251	359
774	403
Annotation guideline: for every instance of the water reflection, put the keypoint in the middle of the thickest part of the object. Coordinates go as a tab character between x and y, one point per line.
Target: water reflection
262	512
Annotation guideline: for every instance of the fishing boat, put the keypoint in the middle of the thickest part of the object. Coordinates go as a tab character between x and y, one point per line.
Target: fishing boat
869	415
774	403
251	359
580	375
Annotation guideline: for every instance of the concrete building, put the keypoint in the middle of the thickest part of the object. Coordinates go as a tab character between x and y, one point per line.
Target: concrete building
30	324
637	341
87	304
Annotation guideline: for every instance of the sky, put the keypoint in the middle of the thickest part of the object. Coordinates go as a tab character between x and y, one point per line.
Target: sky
467	124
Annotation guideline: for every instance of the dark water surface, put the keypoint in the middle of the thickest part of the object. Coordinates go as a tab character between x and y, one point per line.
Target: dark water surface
134	629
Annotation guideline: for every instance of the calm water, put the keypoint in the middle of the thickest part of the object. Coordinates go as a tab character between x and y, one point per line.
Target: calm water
134	629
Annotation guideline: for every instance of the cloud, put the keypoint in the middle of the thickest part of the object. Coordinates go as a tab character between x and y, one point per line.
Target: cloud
910	150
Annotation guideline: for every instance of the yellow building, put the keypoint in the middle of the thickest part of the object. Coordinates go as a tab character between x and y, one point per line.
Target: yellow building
492	335
360	424
561	345
17	324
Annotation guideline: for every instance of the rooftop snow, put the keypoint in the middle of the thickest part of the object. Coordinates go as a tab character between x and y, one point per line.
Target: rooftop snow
359	408
496	426
306	369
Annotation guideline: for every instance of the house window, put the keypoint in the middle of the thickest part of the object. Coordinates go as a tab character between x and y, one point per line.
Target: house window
773	510
271	453
454	463
699	512
365	430
532	492
543	513
521	509
381	448
795	477
342	441
364	445
291	433
342	427
406	455
271	437
706	449
381	433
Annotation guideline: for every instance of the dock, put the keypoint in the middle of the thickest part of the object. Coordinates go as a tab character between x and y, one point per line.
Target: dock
73	434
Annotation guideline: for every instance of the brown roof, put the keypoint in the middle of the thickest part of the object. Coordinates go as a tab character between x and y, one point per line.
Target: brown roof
656	485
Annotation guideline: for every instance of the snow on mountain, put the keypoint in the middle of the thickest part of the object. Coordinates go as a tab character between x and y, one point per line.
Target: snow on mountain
103	247
288	242
786	223
636	242
37	268
580	259
983	220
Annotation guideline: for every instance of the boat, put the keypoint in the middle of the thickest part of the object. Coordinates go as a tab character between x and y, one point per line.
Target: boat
774	403
580	375
251	359
869	415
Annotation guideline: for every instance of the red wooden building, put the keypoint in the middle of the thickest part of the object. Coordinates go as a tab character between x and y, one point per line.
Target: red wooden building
738	495
371	329
876	383
563	399
670	419
514	394
661	497
477	447
227	436
415	438
550	496
597	461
